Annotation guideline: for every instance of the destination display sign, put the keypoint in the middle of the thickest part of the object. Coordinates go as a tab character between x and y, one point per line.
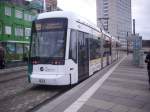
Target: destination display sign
50	24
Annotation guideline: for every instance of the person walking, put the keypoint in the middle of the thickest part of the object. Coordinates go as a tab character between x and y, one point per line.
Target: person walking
147	60
2	64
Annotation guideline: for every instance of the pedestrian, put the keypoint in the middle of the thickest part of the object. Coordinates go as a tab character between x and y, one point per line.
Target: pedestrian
147	60
2	61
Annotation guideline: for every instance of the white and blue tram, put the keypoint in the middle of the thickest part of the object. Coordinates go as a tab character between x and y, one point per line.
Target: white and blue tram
66	49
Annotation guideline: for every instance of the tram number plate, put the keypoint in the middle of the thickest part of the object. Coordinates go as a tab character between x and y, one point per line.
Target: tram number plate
42	81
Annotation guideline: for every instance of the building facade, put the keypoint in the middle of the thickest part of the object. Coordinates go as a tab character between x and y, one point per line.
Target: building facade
19	2
114	16
15	30
51	5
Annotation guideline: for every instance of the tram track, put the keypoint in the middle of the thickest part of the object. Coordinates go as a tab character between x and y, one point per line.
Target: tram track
13	88
12	76
7	80
17	95
30	99
36	107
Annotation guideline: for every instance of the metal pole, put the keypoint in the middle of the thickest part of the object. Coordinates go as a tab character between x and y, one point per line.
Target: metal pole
133	26
44	5
127	45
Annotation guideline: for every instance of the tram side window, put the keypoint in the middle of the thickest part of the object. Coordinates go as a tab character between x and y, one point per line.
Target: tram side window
81	48
94	49
107	48
73	45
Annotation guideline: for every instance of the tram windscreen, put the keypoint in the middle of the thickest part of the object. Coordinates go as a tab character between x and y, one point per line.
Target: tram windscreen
49	38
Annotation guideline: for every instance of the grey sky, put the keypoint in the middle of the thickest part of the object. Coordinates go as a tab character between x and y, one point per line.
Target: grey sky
141	12
87	8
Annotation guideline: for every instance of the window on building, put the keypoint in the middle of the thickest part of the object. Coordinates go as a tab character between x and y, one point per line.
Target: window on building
33	18
18	32
49	8
8	11
25	51
11	48
8	30
28	17
0	28
19	14
105	14
27	32
19	48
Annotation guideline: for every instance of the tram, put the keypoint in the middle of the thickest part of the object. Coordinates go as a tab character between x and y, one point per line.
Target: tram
66	48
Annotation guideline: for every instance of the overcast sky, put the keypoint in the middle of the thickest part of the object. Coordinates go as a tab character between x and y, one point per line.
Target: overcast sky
87	9
141	13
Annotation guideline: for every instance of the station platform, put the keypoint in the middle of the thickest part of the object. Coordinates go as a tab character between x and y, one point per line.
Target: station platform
120	87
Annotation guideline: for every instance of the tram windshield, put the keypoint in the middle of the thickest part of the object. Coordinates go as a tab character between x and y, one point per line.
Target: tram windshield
49	38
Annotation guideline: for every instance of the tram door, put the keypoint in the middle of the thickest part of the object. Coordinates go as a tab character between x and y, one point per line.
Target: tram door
83	56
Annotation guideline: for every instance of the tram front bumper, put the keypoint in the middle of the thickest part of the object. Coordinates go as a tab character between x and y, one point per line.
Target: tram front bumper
50	79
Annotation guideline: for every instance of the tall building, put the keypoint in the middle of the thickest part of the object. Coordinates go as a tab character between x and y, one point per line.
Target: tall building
114	16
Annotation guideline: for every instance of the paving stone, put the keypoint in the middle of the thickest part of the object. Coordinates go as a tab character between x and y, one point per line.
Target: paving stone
147	107
115	93
129	76
129	102
128	81
100	104
129	91
145	99
119	108
103	96
102	110
137	110
125	85
87	108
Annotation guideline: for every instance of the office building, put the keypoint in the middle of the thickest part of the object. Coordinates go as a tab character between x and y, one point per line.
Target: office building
15	26
15	30
114	16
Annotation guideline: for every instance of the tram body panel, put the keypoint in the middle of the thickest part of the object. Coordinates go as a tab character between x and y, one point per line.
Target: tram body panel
95	65
55	74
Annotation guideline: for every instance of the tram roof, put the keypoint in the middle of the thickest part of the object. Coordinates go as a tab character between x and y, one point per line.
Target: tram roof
69	16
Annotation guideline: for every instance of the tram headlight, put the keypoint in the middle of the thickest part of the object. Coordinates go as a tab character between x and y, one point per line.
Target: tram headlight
34	62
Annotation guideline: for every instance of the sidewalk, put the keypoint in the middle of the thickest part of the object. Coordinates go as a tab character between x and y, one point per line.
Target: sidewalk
124	88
